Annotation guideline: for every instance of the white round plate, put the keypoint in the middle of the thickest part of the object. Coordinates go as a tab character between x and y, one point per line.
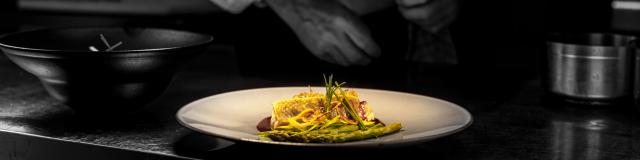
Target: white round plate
234	115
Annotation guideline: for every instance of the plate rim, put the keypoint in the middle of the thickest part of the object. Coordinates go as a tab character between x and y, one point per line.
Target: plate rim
363	143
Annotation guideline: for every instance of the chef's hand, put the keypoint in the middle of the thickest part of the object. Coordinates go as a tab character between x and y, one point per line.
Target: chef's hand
329	30
430	15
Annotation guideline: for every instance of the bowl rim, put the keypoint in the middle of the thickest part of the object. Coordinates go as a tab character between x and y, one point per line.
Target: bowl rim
116	52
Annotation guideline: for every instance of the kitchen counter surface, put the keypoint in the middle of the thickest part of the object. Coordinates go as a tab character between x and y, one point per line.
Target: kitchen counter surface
513	118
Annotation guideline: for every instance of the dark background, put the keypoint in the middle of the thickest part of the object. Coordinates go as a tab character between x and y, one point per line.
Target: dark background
499	37
496	40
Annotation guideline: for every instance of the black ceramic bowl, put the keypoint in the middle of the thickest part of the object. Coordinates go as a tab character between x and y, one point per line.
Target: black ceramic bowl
122	80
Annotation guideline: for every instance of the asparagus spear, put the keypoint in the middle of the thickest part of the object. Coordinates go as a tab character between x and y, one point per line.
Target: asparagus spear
331	135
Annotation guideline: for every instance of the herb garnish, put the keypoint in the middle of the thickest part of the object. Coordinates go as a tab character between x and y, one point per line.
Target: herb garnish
331	91
349	108
328	85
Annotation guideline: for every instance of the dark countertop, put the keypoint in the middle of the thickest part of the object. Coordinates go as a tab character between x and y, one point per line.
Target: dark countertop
512	118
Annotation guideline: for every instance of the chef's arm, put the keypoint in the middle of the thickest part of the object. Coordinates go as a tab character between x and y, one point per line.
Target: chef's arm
329	30
363	7
360	7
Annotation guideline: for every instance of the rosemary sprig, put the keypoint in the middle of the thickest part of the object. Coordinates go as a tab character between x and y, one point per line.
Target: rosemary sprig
328	85
349	108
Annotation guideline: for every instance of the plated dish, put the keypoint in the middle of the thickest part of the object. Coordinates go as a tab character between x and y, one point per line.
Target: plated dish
336	115
234	115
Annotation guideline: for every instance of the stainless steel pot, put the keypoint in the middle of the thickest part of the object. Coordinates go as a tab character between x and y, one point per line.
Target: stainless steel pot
595	67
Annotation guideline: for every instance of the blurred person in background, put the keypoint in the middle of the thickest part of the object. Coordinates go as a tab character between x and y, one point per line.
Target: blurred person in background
334	31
